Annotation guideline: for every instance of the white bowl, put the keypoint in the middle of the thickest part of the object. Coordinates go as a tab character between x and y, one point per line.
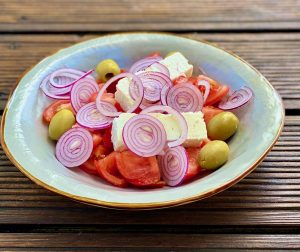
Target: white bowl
24	136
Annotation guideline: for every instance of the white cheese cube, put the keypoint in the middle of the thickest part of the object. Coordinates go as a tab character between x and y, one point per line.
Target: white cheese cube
117	129
178	65
196	128
122	95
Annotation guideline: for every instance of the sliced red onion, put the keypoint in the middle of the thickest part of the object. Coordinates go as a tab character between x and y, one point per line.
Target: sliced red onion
174	165
142	64
144	135
66	77
82	91
185	98
139	93
74	147
237	99
53	92
89	116
181	120
205	84
161	68
153	82
163	95
146	104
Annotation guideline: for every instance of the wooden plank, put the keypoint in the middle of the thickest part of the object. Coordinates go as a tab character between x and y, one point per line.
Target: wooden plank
275	55
128	241
269	197
169	15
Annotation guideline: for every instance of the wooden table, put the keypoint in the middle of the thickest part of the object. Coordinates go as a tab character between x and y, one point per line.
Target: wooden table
262	211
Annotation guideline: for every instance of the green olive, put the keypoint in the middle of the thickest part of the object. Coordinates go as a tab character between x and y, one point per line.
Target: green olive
106	69
222	126
213	155
170	53
61	122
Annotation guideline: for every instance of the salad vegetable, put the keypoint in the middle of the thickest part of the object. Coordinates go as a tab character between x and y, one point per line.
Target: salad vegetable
150	126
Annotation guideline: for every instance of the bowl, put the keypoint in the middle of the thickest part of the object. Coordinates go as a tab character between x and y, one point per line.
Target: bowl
24	136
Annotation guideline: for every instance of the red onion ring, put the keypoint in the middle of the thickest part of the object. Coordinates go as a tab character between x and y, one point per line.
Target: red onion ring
163	95
74	147
89	116
146	104
142	64
144	135
53	92
82	91
237	99
205	84
181	120
161	68
67	77
185	98
153	82
139	90
174	165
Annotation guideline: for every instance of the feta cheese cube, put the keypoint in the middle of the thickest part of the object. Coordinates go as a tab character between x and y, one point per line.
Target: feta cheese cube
196	128
177	65
122	95
117	129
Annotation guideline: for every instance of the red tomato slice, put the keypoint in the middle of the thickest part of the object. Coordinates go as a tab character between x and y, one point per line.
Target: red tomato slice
108	97
139	171
118	107
97	139
209	112
107	143
204	142
107	169
100	152
154	54
54	107
216	95
180	79
193	168
193	80
89	167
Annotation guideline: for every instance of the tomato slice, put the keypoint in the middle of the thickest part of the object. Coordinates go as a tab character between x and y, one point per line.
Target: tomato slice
89	167
216	95
154	54
139	171
108	97
209	112
118	107
107	143
97	139
107	169
54	107
180	79
100	152
193	167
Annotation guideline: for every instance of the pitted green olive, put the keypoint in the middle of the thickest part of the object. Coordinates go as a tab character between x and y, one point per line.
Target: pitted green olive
61	122
213	155
222	126
106	69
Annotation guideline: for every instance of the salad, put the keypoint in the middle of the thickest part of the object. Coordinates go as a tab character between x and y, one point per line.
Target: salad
152	125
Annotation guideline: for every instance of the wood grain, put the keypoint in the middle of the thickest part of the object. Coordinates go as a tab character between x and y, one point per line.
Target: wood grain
267	197
276	55
153	240
169	15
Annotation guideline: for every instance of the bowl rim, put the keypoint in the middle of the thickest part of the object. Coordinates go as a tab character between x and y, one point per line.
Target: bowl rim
140	206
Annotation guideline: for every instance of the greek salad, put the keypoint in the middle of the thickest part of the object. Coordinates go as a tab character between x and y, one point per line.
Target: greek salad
149	126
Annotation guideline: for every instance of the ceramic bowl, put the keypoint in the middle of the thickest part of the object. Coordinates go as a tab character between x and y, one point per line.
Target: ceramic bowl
24	136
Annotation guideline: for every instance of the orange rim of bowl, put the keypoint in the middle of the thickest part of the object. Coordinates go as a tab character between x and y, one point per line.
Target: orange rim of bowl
141	206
